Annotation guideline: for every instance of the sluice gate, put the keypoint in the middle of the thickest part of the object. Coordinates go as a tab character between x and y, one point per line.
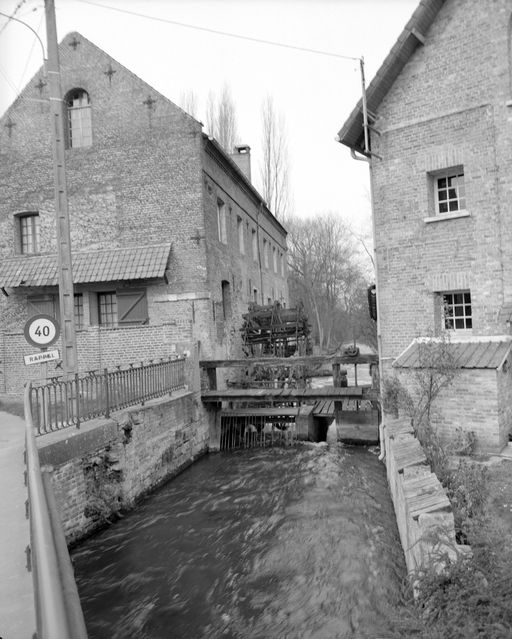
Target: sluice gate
250	428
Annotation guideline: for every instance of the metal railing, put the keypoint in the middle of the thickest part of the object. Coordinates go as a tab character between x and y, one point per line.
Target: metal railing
63	403
58	610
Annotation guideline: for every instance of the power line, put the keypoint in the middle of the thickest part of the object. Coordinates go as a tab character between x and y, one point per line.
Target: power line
29	56
18	7
222	33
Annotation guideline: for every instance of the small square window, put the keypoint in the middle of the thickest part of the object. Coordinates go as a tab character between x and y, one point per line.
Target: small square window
457	313
450	192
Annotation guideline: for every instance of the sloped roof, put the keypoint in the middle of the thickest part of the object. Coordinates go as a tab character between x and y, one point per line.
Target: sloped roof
485	353
351	133
108	265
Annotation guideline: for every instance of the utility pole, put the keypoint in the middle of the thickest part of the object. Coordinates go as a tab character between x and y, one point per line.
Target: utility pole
66	298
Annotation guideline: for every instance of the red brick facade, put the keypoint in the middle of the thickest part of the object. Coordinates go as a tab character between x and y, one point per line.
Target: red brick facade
149	177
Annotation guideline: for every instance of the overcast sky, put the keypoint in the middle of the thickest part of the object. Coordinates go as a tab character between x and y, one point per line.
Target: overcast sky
316	93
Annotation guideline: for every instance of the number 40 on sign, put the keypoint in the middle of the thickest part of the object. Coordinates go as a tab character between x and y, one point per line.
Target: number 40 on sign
42	331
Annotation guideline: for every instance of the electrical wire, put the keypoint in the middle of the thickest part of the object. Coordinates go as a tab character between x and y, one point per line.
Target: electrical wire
222	33
29	56
18	7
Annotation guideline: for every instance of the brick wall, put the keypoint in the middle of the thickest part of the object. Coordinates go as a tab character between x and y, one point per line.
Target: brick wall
226	261
471	403
146	179
504	382
98	348
449	107
111	463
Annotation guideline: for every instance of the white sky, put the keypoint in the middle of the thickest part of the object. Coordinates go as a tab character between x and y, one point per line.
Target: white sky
316	93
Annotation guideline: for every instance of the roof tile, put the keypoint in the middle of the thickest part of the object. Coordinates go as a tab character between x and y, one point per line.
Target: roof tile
129	263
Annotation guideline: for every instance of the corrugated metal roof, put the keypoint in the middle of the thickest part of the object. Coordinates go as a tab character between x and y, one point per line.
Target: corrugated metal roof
351	134
470	354
108	265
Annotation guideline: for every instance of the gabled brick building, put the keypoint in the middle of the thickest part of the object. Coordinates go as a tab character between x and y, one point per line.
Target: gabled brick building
170	240
440	157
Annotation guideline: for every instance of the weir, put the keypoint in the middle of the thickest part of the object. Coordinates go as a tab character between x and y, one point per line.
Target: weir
288	408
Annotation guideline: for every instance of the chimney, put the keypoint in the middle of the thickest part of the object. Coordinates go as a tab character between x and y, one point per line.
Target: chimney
242	158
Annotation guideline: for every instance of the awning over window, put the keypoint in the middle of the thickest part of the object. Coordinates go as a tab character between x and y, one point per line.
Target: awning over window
108	265
475	353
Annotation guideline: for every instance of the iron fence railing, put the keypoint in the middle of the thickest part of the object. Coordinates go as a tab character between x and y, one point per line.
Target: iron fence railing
63	403
58	610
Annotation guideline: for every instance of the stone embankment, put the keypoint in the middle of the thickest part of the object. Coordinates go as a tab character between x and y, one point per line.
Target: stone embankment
423	511
108	464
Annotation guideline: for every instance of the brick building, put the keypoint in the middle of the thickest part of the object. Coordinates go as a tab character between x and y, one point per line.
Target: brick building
170	240
440	157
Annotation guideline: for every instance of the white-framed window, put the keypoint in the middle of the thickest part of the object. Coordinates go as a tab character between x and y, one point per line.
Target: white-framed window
107	308
254	245
274	258
221	221
457	312
79	120
240	230
29	232
450	191
265	253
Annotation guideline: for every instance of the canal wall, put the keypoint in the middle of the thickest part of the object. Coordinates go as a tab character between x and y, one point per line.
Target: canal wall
108	464
423	512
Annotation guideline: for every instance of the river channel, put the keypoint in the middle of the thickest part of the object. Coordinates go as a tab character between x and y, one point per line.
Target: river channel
282	543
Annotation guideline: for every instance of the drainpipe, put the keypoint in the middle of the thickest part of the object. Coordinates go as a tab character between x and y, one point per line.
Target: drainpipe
368	159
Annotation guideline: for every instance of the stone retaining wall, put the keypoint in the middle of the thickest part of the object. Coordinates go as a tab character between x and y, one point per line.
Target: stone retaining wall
110	463
423	511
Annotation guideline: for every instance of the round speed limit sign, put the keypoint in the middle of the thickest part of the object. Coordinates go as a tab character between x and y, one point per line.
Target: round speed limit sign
42	331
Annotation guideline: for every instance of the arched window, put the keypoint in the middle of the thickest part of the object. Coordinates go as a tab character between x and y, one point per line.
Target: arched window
78	108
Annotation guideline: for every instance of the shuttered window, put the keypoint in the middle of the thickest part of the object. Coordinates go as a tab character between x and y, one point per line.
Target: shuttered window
132	307
121	308
43	304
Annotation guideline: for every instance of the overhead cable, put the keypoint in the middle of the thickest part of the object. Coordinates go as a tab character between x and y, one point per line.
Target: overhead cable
218	32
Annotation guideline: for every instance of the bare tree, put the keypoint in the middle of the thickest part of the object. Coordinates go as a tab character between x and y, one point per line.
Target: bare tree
326	273
275	163
221	118
189	102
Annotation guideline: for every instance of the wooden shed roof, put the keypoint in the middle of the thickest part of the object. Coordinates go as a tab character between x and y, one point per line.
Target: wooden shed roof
484	353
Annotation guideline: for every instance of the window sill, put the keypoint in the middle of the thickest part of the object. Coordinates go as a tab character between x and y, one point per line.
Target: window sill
446	216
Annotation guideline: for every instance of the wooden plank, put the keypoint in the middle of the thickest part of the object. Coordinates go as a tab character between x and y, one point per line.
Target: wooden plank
282	394
408	453
425	494
310	360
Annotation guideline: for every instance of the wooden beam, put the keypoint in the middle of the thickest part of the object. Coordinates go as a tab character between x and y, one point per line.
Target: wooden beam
289	361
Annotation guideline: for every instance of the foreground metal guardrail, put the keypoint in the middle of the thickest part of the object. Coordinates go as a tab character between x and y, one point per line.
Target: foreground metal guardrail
61	404
58	610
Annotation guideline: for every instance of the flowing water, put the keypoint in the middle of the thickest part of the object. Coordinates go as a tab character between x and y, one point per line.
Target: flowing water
282	543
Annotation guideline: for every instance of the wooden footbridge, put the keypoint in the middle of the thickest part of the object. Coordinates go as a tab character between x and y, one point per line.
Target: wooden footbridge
292	410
